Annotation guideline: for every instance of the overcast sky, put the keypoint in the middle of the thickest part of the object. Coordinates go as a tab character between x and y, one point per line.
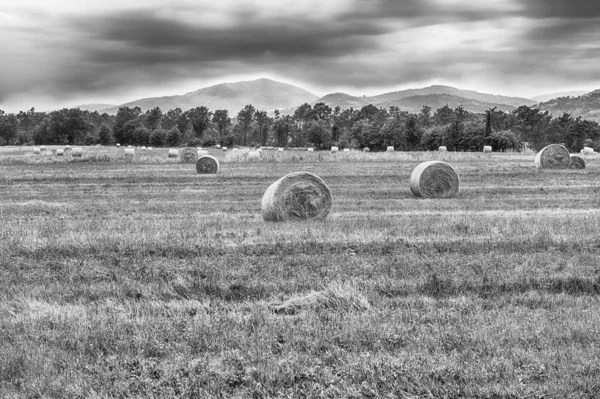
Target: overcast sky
68	52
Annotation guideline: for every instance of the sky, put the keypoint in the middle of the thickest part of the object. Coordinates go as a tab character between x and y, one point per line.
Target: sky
64	53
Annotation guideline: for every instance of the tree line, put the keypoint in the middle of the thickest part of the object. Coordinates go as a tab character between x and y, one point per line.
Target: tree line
317	125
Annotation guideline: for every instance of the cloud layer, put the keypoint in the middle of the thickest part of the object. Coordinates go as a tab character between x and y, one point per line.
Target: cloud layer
59	54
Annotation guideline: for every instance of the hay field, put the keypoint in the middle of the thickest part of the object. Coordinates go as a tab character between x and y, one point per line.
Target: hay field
144	279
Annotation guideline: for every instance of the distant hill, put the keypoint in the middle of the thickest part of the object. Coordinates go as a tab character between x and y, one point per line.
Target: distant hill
434	96
93	107
587	106
550	96
263	94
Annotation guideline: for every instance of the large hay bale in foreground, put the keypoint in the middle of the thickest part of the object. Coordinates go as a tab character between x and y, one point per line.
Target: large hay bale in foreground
577	162
554	156
253	156
390	148
434	179
207	164
173	153
60	152
189	155
77	152
296	196
442	148
487	148
334	149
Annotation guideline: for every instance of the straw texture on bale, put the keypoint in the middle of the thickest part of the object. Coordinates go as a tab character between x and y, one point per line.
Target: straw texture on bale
554	156
36	150
334	149
442	148
173	153
296	196
189	155
60	152
253	156
77	152
487	148
587	150
434	179
389	149
130	151
577	162
207	164
366	149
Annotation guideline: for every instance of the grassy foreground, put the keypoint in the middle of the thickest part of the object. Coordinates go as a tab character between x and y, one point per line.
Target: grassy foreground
147	280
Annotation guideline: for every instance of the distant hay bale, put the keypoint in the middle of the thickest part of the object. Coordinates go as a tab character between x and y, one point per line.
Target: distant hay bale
296	196
366	149
587	151
118	145
207	164
442	148
554	156
253	156
235	149
280	149
434	179
188	155
487	148
43	148
77	152
67	147
224	148
60	152
37	150
310	149
334	149
129	152
577	162
173	153
150	148
129	146
218	146
389	149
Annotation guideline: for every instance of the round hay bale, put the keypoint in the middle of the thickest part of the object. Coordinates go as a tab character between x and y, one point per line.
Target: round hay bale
442	148
296	196
434	179
173	153
207	164
390	149
253	156
67	147
37	150
280	149
150	148
60	152
129	146
118	145
77	152
188	155
143	148
577	162
587	151
334	149
130	151
554	156
487	148
346	149
224	148
218	146
366	149
310	149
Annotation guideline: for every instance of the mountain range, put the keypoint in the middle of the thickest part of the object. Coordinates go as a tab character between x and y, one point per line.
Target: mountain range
269	95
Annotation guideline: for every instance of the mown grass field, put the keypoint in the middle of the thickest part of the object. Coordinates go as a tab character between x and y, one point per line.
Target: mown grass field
144	279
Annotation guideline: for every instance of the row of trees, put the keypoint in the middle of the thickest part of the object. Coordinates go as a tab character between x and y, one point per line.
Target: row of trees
318	125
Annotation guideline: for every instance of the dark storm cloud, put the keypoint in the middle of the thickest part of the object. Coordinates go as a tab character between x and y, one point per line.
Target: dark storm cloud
564	9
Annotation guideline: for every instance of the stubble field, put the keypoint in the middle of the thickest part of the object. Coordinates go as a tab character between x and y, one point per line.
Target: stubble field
144	279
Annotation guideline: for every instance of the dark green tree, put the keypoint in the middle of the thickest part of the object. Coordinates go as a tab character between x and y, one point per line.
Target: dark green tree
222	120
105	135
245	118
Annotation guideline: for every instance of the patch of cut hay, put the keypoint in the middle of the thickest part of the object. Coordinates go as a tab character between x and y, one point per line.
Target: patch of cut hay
188	155
334	149
442	148
434	179
554	156
296	196
487	148
577	162
389	149
253	156
60	152
77	152
337	297
173	153
207	164
366	149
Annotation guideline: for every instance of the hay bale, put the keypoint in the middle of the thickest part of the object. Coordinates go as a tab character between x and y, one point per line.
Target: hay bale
334	149
188	155
143	148
587	151
366	149
310	149
346	149
129	146
43	148
389	149
218	146
554	156
207	164
37	150
224	148
434	179
60	152
67	147
487	148
442	148
129	152
253	156
577	162
296	196
173	153
118	145
280	149
77	152
150	148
